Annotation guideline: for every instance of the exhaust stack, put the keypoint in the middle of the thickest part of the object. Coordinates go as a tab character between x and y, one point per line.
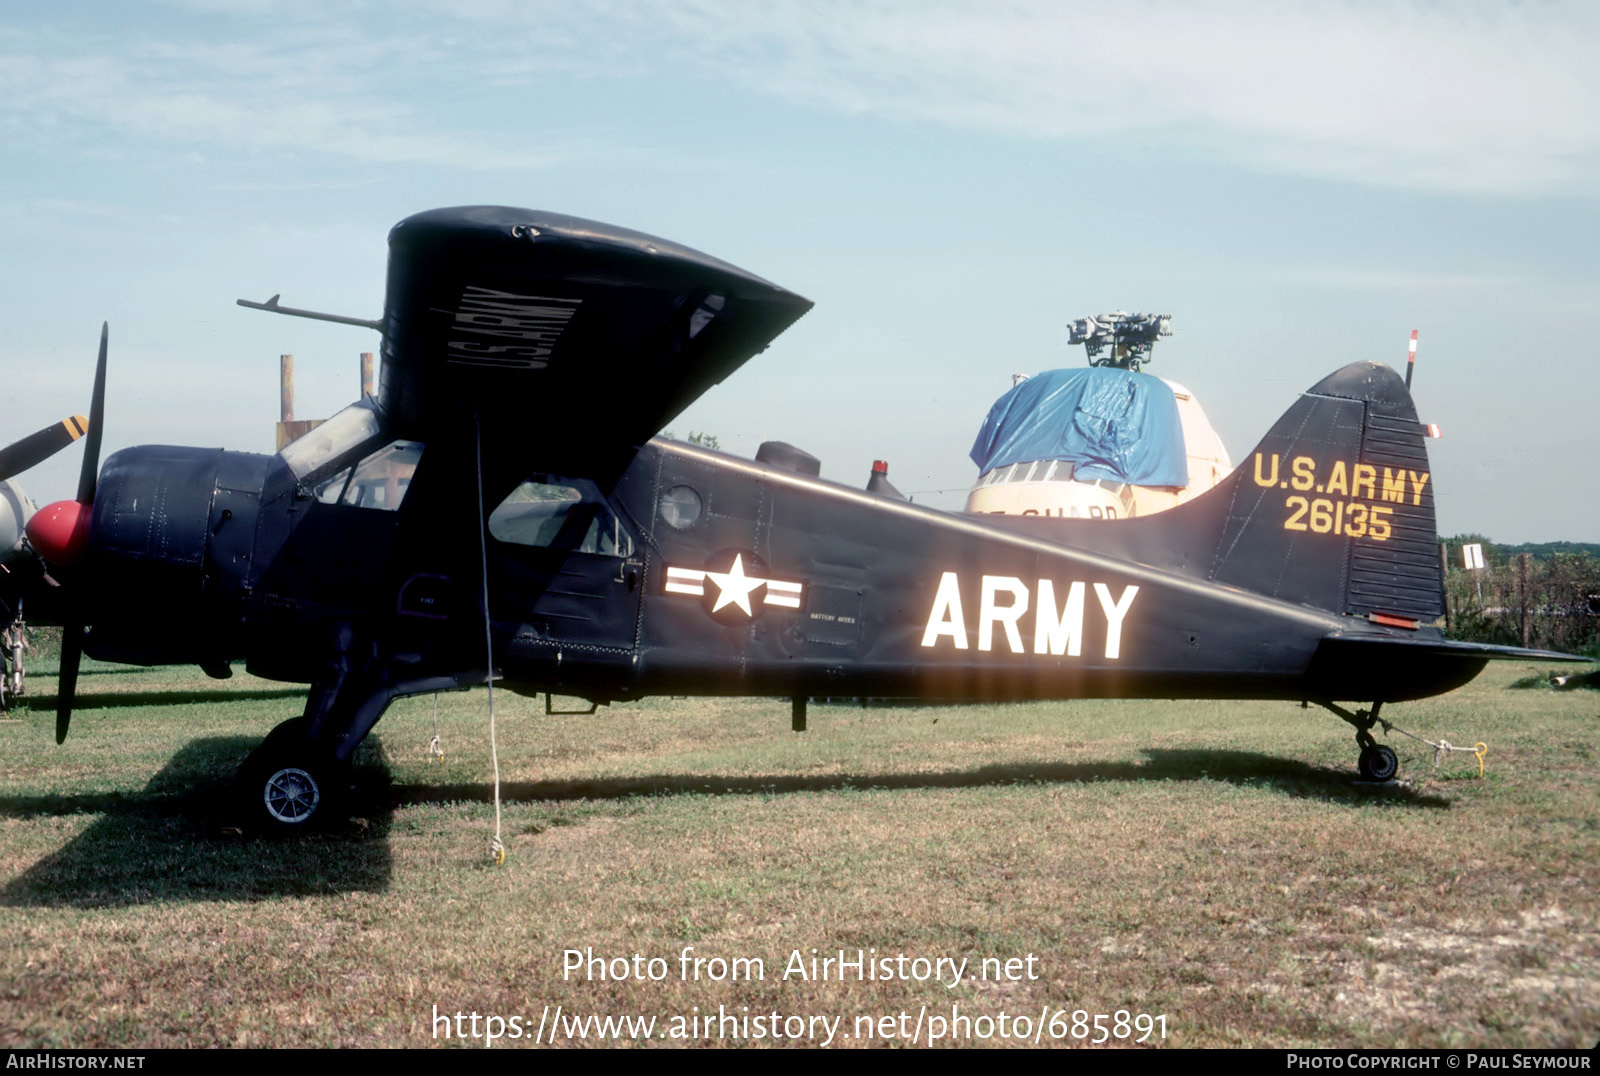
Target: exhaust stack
878	482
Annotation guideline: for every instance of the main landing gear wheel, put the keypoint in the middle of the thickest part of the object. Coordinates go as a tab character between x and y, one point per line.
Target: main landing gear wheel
291	796
1378	763
289	784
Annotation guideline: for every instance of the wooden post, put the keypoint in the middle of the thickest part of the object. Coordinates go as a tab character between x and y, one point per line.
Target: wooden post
286	388
1444	589
288	428
1523	587
367	389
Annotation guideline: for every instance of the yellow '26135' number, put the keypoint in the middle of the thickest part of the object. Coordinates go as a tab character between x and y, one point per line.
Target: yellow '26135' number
1349	518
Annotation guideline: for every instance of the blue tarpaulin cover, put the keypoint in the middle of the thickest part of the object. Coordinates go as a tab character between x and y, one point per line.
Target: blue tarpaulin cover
1111	423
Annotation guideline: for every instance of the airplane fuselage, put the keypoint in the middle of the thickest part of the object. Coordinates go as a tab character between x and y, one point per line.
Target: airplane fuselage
696	573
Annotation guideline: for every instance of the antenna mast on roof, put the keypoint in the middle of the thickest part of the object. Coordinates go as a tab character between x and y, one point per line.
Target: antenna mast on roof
1129	336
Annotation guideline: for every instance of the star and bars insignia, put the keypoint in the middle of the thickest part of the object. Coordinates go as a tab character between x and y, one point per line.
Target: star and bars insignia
738	587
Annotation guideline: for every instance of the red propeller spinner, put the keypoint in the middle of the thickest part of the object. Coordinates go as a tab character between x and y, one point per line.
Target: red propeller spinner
59	532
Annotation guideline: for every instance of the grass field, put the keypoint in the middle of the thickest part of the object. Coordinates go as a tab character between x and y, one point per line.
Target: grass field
1211	863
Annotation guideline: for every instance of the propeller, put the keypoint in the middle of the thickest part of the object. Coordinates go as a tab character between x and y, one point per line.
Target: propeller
35	448
59	533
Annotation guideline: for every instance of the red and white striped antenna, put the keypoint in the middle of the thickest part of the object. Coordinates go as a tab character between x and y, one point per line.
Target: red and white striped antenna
1429	429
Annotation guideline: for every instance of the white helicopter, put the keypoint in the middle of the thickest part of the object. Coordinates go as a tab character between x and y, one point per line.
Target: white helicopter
17	566
1100	442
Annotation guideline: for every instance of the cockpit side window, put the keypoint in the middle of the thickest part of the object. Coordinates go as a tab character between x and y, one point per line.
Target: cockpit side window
379	481
558	513
328	441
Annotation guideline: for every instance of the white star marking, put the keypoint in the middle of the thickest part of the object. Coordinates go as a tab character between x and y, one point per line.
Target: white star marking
735	587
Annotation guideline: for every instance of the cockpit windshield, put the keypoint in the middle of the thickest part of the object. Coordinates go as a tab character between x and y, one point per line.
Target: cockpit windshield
332	439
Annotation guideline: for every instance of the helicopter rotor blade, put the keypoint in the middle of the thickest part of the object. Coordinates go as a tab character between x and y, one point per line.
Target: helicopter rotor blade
34	449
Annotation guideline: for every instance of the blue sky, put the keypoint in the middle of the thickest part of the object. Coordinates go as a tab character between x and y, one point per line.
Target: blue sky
1299	185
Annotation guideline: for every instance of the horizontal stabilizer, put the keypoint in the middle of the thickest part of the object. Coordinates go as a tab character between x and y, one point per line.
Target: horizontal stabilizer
1454	649
1399	667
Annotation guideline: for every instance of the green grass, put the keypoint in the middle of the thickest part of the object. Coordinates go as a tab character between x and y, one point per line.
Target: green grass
1211	862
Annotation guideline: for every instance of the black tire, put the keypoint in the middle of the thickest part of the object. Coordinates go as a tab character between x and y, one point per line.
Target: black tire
289	784
1378	763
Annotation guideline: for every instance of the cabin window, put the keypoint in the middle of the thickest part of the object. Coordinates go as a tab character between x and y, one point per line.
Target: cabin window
554	514
379	481
681	507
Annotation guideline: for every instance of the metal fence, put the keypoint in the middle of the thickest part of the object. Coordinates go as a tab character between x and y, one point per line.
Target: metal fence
1552	604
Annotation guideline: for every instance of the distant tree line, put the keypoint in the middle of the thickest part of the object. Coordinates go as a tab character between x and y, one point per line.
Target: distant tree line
707	440
1544	594
1546	550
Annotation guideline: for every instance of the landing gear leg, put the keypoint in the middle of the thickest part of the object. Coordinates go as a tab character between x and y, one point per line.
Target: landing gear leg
1377	762
296	780
13	640
290	783
297	777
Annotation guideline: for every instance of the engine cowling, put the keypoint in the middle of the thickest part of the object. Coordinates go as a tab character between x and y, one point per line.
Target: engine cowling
169	552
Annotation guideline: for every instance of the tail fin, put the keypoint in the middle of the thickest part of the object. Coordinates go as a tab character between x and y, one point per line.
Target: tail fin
1334	508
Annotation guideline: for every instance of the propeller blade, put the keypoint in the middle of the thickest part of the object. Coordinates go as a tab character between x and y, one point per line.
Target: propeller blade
72	632
35	448
97	416
67	686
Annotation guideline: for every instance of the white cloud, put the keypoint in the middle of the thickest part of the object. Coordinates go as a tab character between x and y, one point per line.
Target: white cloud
1466	97
1470	97
293	90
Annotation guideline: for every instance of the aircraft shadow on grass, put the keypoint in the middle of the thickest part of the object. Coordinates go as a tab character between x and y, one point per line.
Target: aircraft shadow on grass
177	840
106	700
1286	776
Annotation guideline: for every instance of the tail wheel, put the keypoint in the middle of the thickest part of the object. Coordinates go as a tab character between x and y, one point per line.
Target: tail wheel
1378	763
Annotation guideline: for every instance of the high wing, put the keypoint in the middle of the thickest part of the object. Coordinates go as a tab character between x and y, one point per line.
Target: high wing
568	342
